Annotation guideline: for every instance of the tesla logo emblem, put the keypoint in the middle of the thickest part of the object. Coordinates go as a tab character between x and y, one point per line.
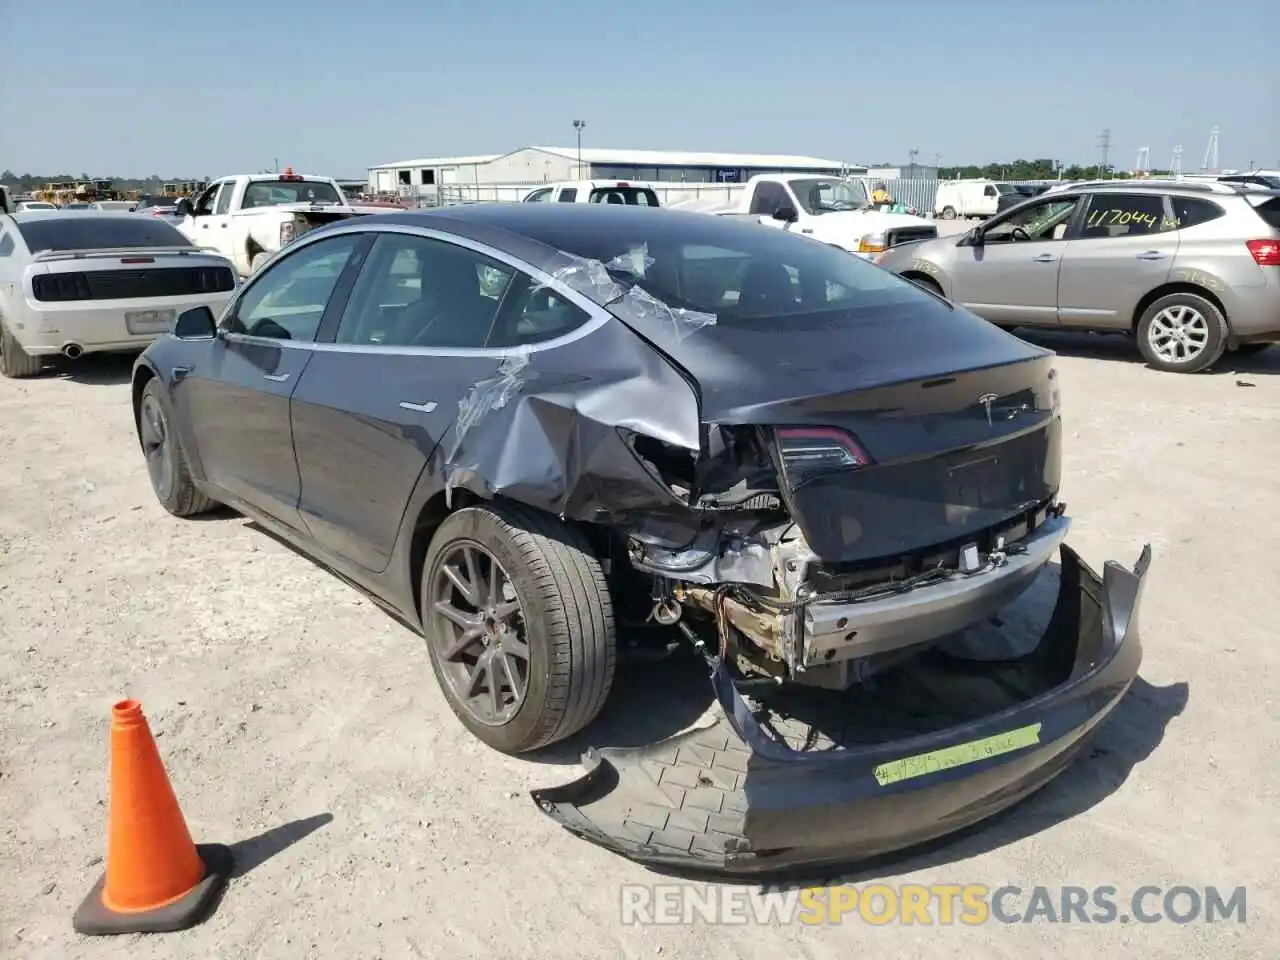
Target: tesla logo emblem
987	399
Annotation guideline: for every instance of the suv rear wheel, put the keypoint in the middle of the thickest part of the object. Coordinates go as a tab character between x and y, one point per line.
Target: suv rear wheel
1182	333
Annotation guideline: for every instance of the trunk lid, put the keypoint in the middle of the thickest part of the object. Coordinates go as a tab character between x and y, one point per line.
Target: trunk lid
956	422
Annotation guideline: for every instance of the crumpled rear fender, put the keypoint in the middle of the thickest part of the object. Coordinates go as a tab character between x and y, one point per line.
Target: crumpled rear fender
550	427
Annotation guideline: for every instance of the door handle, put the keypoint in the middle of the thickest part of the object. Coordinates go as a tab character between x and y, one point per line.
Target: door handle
427	407
276	377
204	226
1044	258
1151	255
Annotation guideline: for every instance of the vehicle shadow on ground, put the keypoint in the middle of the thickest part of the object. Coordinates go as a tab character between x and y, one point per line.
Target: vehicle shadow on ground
1094	346
649	703
97	369
252	853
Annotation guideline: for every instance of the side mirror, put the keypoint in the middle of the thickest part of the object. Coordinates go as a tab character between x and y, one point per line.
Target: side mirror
197	323
786	215
183	208
972	237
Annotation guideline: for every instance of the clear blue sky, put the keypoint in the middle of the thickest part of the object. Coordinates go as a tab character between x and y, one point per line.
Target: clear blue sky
121	89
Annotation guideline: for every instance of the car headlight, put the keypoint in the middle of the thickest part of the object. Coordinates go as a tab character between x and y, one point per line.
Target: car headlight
872	243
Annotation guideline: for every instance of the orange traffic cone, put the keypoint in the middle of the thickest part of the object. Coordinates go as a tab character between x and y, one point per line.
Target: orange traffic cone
156	879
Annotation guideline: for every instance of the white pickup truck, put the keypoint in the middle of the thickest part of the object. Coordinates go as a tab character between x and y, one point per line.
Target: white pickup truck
248	217
830	209
593	191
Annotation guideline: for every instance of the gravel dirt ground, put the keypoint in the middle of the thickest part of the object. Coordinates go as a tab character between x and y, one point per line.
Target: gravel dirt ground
304	727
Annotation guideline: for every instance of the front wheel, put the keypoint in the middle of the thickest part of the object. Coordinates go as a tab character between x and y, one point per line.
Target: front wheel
166	462
1182	333
519	625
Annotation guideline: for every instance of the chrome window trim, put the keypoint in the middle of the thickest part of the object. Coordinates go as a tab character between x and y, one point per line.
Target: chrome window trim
598	316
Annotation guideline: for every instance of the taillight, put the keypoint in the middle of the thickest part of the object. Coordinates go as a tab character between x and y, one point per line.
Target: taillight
60	287
808	450
1266	253
287	232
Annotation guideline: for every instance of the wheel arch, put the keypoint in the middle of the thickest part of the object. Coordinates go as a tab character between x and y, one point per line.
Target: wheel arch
429	517
1177	287
915	276
143	374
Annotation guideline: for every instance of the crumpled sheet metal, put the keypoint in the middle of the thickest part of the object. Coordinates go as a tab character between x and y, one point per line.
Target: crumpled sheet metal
592	279
541	432
732	800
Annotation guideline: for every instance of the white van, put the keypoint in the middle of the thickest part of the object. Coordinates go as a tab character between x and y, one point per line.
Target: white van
969	198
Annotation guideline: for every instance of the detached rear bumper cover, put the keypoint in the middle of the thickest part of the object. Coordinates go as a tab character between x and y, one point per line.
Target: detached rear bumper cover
730	799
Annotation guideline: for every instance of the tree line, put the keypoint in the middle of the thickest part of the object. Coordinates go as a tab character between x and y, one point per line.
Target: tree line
1042	169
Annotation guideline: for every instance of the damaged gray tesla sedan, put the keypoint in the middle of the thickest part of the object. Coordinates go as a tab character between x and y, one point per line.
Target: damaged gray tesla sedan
515	425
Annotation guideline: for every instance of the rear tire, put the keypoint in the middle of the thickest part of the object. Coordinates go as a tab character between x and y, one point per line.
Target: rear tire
1182	333
948	213
16	363
256	261
166	461
563	621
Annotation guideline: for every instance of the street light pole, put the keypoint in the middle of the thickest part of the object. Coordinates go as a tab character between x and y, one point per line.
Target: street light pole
578	125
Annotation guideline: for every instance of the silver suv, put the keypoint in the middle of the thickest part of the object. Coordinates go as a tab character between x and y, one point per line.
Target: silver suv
1190	269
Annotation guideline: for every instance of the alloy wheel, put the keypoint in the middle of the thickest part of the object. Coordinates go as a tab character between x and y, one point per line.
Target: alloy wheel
480	634
1178	333
157	447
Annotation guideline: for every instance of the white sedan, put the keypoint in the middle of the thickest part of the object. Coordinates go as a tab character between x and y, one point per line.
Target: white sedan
77	283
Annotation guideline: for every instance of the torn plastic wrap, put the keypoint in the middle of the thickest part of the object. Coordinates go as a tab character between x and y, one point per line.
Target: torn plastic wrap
482	400
734	799
593	278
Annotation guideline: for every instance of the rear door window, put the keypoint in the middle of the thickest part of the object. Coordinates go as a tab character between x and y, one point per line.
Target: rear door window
1125	215
631	196
419	292
568	195
769	198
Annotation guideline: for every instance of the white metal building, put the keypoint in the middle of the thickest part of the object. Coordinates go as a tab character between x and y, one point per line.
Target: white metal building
544	164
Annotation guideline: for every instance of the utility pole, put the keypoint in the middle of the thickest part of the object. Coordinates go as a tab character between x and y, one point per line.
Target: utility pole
578	125
1104	144
1177	162
912	154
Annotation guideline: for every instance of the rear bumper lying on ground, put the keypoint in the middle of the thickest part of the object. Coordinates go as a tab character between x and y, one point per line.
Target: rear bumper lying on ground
731	800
